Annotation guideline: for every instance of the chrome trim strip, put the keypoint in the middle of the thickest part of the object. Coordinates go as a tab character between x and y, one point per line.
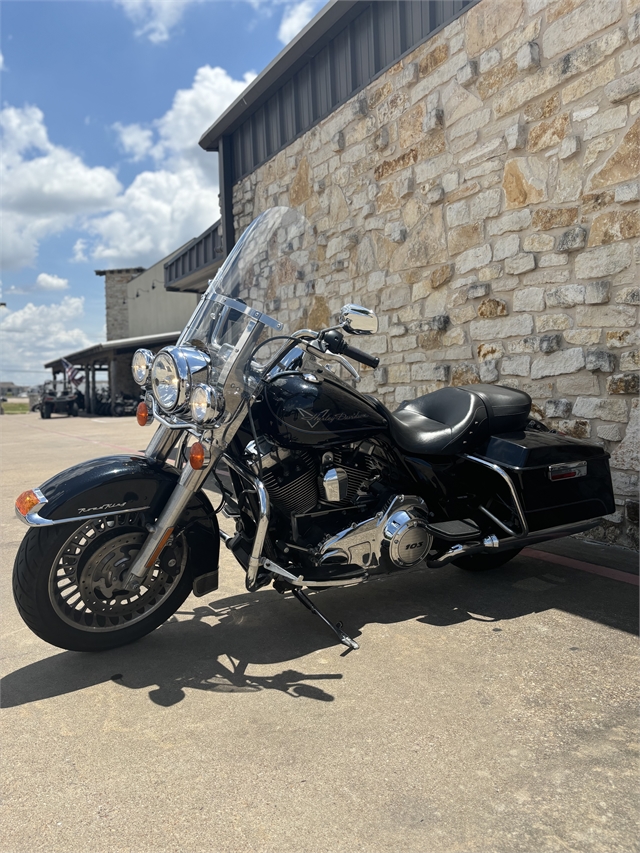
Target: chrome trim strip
33	519
512	488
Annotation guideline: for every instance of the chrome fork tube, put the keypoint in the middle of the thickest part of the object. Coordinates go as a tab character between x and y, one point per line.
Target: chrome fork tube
161	444
189	483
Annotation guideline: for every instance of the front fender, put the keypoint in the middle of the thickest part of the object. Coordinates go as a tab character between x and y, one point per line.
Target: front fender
116	484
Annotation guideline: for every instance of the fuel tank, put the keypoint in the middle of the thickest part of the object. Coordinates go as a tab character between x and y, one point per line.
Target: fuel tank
317	410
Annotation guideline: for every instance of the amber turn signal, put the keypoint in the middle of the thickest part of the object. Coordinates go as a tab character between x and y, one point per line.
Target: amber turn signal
26	502
143	414
196	456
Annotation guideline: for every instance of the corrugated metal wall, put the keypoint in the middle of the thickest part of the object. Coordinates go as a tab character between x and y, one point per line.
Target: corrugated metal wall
369	44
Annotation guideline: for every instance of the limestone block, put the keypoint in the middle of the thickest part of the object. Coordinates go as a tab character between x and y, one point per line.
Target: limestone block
627	193
545	218
450	181
569	146
434	195
610	432
603	360
603	261
605	122
473	258
486	204
538	243
488	371
597	292
468	74
623	383
457	214
563	361
604	409
624	482
633	30
427	371
579	25
557	408
586	112
410	74
476	291
464	237
576	428
434	120
465	373
462	315
630	360
582	383
550	343
530	343
529	299
528	57
569	183
501	328
506	247
515	220
550	322
586	83
520	263
628	296
490	273
624	163
603	316
492	308
627	338
337	142
516	136
488	60
406	186
522	35
582	337
486	23
397	232
574	238
554	259
381	139
490	352
623	88
360	107
524	182
515	365
615	225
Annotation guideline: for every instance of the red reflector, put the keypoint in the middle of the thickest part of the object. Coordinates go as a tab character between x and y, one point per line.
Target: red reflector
143	414
568	475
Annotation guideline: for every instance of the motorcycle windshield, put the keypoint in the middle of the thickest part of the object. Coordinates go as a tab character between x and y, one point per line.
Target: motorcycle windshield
272	265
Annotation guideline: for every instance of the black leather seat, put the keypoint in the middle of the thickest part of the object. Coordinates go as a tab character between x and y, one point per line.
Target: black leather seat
454	420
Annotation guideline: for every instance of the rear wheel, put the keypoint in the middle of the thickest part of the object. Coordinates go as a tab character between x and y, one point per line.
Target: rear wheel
67	583
485	562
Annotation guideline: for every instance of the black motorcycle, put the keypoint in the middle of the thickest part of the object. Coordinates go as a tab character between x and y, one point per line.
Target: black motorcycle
327	487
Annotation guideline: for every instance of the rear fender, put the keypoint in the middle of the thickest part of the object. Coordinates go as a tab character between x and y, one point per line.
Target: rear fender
118	484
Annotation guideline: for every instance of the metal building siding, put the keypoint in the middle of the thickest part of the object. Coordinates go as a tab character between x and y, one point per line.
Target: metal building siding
364	48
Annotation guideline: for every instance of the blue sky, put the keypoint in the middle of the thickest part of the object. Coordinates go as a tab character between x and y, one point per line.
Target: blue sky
102	103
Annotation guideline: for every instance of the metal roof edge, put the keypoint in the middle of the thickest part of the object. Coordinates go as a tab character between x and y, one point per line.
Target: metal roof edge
106	346
293	52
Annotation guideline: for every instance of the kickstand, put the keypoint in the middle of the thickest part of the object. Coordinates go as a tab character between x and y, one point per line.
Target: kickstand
345	639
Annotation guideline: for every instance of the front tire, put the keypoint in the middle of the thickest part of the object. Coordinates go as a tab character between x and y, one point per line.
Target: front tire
485	562
65	583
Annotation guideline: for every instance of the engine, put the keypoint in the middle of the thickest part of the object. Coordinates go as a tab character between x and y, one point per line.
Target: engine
334	513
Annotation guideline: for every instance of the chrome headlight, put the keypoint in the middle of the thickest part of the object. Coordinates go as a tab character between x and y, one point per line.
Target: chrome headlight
141	365
165	381
204	404
174	371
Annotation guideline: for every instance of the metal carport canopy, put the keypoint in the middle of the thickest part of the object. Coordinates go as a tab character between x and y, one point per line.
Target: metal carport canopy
109	349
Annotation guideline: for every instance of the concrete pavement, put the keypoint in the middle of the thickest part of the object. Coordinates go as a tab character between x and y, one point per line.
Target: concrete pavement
492	712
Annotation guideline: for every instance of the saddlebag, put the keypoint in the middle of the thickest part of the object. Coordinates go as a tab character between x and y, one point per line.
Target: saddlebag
559	480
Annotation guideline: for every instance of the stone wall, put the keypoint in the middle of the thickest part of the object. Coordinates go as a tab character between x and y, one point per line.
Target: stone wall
482	195
116	300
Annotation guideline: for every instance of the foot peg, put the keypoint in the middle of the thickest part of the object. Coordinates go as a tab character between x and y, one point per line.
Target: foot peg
345	639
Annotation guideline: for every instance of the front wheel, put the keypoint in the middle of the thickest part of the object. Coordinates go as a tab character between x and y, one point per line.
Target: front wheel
66	583
485	562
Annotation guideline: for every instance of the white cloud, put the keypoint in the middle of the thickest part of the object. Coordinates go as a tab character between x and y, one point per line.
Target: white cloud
37	334
1	62
295	18
51	282
154	18
136	141
45	187
165	207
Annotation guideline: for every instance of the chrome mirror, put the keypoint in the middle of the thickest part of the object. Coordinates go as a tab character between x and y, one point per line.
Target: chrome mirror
359	320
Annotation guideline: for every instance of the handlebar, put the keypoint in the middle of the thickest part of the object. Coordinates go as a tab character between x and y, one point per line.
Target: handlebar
336	344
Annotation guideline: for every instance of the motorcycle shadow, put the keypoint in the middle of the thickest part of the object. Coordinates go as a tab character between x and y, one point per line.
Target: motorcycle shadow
212	646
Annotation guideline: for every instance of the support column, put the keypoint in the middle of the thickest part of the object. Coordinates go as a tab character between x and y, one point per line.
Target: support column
113	383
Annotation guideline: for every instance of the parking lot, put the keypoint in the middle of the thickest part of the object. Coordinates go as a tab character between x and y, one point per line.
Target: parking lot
490	712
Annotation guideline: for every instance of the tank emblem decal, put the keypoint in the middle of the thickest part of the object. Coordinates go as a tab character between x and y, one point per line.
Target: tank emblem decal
102	508
325	416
